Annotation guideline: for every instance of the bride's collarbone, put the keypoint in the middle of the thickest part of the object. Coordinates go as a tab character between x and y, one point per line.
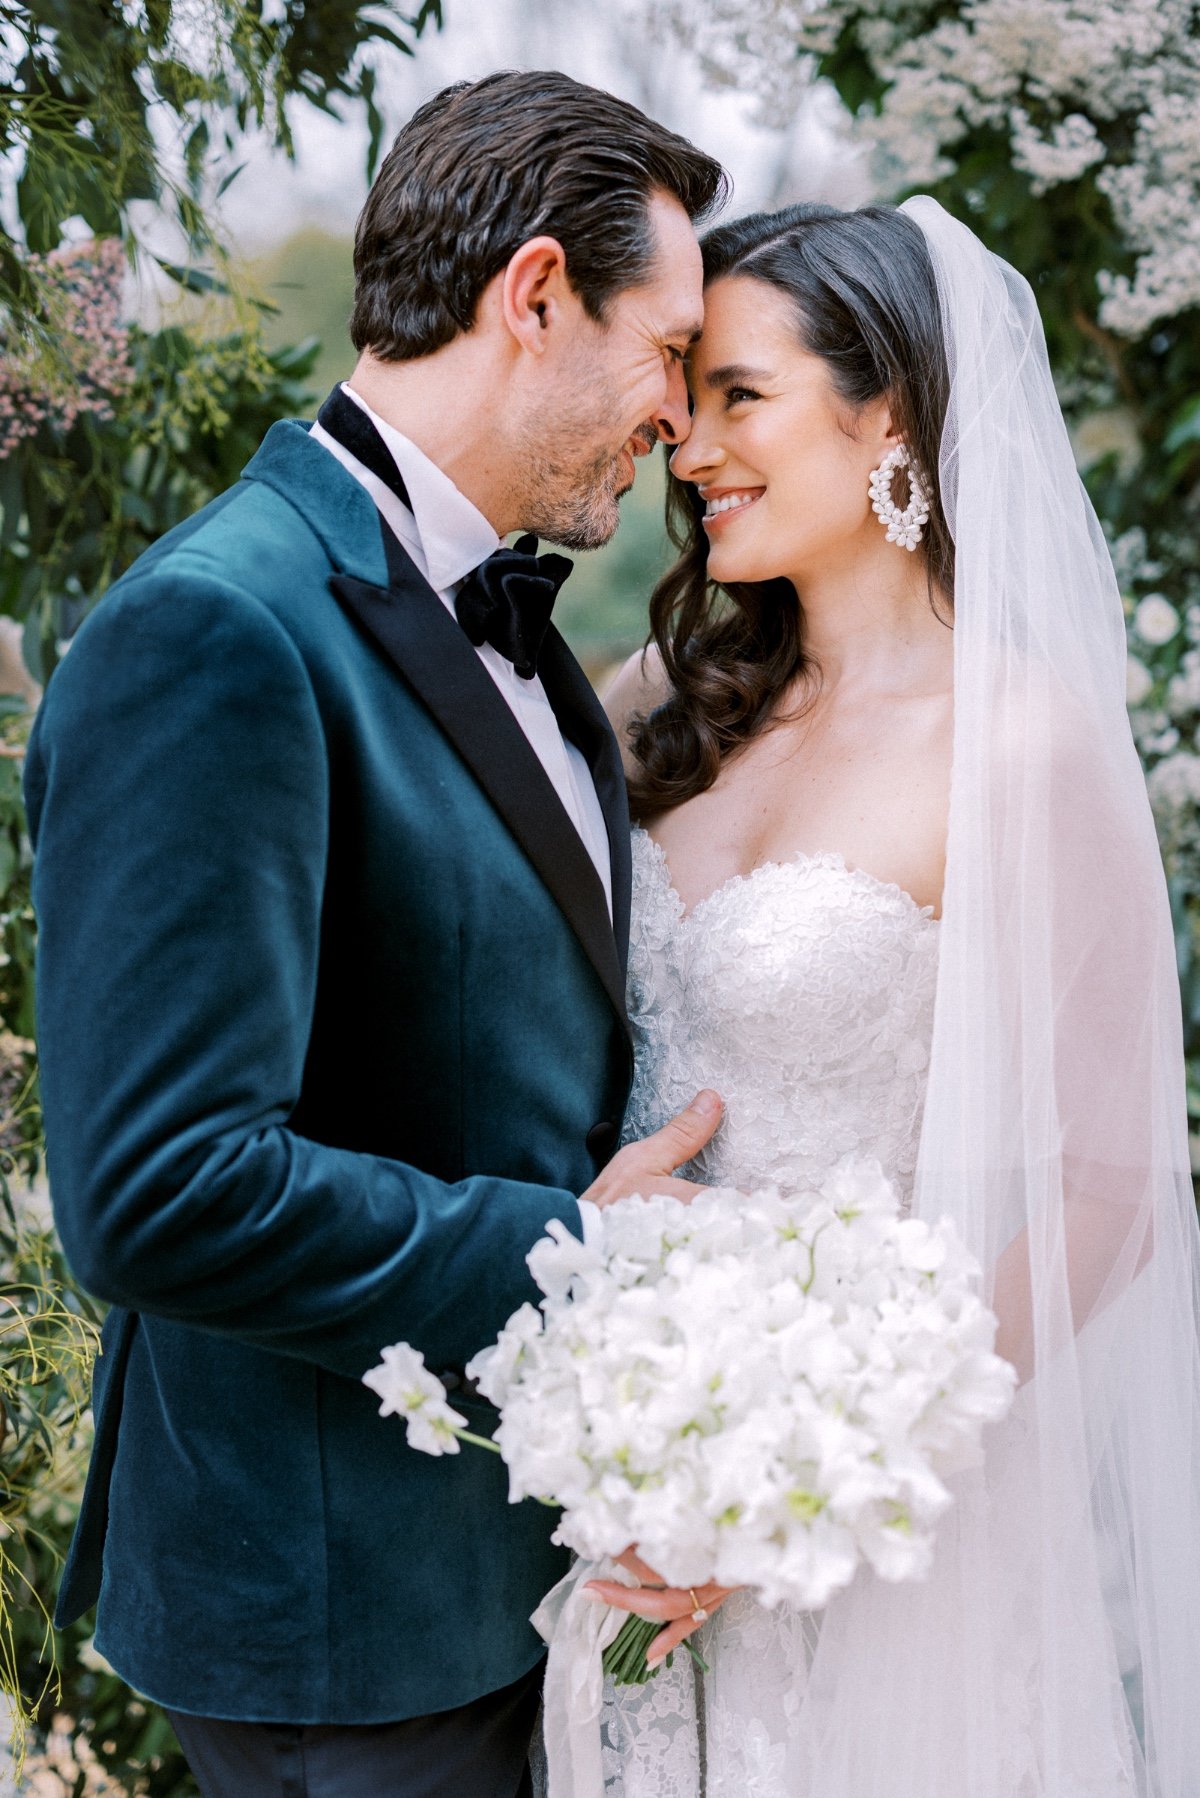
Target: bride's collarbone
869	786
893	831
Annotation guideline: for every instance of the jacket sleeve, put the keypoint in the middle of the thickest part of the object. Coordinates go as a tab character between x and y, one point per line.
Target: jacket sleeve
177	785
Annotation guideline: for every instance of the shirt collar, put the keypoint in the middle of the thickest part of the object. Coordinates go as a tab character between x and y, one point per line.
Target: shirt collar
455	536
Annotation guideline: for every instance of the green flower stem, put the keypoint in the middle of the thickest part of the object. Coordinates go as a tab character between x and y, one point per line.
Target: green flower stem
479	1441
625	1658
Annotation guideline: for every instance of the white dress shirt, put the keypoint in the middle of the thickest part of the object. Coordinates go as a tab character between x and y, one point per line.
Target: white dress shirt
447	538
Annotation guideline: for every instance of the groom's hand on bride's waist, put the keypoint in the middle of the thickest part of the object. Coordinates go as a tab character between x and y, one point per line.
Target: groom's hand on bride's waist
646	1167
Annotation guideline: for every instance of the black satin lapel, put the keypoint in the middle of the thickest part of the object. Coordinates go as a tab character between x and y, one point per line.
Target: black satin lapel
413	627
583	721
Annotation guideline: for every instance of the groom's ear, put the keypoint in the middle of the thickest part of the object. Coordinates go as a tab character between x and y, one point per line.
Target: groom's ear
534	292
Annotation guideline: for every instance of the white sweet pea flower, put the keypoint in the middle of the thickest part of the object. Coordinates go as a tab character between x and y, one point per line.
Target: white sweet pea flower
407	1389
763	1389
919	1247
492	1369
558	1258
894	1548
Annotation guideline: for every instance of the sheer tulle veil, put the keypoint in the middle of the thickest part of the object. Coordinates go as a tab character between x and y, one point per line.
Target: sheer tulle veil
1055	1649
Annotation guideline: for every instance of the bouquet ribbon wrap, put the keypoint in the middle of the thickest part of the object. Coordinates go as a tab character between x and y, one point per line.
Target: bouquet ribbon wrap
577	1630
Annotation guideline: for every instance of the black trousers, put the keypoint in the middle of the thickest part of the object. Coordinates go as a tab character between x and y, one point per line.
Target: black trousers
479	1750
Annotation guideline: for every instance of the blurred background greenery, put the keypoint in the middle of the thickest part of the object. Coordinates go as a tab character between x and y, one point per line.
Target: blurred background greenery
178	187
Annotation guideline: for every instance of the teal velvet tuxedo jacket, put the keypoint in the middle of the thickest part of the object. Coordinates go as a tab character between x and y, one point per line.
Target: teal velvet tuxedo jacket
331	1025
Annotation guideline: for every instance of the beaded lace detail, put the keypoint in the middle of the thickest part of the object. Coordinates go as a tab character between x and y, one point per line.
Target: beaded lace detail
803	993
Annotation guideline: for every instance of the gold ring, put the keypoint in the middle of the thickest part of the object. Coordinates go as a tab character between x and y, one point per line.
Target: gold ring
699	1614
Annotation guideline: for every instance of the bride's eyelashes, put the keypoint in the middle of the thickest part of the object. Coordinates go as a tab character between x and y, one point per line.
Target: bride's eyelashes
734	396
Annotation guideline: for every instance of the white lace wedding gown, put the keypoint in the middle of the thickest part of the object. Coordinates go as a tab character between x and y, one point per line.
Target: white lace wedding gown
803	993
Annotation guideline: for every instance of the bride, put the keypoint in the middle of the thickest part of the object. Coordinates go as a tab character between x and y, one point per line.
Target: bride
897	894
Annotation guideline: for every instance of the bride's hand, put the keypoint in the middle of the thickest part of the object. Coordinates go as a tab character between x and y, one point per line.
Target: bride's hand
646	1167
654	1598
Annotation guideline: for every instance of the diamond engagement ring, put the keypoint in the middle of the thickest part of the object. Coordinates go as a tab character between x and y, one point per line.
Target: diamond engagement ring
699	1614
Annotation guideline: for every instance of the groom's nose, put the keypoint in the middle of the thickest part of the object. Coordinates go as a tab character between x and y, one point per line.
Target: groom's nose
673	418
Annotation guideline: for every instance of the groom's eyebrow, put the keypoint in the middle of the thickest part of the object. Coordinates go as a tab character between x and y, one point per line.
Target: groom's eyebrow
731	373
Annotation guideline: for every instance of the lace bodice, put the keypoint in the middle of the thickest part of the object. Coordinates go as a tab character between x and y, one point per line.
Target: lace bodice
803	993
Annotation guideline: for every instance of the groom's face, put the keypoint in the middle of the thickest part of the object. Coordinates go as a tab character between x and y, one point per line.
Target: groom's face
618	389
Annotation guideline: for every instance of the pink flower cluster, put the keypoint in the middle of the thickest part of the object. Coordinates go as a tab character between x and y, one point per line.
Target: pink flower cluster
89	366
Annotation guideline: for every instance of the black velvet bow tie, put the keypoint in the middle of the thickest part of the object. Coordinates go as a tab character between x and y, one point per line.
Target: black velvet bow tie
508	600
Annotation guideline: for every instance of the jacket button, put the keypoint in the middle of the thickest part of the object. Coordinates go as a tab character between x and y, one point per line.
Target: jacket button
601	1140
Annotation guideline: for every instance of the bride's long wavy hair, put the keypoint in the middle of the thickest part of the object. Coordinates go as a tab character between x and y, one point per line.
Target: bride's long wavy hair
865	299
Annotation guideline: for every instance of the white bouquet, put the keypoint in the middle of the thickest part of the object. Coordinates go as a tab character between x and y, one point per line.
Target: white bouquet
760	1390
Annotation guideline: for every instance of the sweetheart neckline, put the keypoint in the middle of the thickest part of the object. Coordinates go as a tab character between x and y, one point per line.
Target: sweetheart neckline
803	858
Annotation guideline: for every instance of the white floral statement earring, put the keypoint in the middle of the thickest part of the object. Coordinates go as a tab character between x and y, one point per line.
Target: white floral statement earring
907	527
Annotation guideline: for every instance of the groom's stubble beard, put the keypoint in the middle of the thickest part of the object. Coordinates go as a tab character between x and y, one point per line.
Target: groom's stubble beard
570	488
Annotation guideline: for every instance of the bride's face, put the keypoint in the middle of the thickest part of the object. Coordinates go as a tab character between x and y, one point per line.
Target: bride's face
782	461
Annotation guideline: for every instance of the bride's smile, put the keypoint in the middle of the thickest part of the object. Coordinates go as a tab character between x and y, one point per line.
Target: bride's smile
721	503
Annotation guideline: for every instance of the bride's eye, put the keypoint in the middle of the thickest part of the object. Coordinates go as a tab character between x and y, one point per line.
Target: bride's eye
735	395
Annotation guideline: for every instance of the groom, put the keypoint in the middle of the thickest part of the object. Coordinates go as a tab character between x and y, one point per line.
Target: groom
333	883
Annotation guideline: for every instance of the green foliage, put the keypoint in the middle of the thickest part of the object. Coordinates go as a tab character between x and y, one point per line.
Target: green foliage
76	509
83	80
85	87
89	1733
109	436
48	1335
16	939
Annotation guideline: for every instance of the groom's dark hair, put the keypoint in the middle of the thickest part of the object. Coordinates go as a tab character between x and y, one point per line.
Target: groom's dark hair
486	165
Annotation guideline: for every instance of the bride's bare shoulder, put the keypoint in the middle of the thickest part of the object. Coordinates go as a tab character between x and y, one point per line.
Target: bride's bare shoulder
638	686
1037	719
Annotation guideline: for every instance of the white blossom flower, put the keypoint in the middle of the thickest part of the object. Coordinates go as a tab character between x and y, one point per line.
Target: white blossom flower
1183	689
494	1368
558	1258
1109	86
1155	620
1138	681
408	1390
1174	784
1071	146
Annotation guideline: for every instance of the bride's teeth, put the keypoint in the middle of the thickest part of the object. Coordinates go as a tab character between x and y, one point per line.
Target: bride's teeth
728	503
